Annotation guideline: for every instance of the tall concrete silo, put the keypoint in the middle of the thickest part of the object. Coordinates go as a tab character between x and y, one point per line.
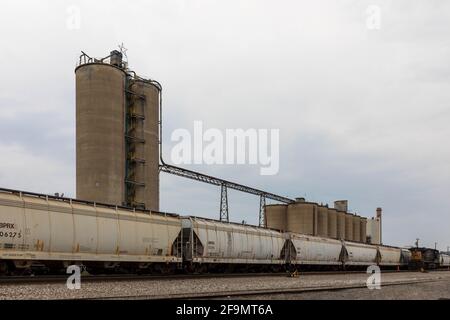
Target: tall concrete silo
340	225
363	232
276	216
100	143
332	223
356	228
142	135
349	227
117	134
302	217
322	221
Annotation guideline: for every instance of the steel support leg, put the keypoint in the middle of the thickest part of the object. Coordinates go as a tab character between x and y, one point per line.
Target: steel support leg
262	213
224	204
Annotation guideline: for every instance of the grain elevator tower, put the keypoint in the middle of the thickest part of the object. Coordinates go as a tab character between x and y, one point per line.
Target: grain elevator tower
117	134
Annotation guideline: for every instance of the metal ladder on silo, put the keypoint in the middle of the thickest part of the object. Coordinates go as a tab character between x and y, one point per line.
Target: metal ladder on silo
131	141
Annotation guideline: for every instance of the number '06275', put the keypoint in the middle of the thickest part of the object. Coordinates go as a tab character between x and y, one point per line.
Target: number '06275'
13	235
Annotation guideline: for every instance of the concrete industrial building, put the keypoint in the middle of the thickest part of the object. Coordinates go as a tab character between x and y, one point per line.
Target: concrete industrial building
317	220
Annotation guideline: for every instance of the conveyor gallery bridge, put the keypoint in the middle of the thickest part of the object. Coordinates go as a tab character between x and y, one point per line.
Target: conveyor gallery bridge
224	184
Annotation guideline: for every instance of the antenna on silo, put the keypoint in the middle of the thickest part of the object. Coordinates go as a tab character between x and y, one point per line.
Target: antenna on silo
123	50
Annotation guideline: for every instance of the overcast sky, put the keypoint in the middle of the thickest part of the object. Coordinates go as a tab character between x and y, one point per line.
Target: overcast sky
363	111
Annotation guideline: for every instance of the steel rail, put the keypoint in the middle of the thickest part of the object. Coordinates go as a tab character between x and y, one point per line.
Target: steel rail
259	292
136	277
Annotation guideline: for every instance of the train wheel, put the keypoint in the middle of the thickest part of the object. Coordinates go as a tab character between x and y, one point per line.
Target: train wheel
4	269
189	268
201	268
169	269
275	269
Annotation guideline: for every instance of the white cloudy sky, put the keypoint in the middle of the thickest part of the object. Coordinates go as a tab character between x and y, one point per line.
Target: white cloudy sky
363	114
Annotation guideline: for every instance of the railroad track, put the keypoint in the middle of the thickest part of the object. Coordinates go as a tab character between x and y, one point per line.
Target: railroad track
99	278
133	277
248	294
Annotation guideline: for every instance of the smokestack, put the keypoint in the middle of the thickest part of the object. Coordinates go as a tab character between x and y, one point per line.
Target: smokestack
380	221
379	212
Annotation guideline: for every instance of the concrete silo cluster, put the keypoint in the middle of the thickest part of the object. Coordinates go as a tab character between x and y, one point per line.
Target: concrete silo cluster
317	220
117	134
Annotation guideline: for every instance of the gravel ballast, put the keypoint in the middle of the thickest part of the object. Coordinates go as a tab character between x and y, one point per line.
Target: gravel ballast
166	288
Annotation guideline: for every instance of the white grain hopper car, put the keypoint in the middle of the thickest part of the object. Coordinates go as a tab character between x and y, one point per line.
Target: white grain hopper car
316	251
212	243
45	229
309	250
